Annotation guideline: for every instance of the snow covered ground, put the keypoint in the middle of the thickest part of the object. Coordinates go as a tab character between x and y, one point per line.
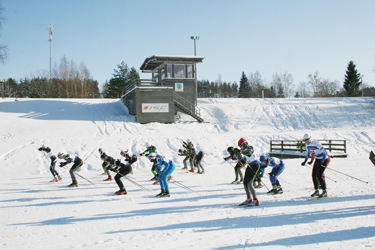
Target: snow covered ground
38	214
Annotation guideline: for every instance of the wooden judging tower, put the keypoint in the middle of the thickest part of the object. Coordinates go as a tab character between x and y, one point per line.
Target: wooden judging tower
172	88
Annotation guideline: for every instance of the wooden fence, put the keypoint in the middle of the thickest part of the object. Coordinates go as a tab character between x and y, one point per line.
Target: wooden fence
297	149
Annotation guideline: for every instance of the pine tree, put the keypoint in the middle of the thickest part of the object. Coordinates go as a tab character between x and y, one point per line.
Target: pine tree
245	90
353	80
122	77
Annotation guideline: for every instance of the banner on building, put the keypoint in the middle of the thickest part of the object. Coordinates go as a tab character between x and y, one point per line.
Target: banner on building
155	107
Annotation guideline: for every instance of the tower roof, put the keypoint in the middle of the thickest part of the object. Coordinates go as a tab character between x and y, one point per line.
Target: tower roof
155	61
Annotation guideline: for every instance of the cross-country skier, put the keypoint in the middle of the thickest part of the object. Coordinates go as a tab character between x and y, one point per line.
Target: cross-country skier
53	158
312	161
198	162
151	152
165	169
103	156
77	163
189	151
122	169
277	168
236	156
246	149
253	166
320	164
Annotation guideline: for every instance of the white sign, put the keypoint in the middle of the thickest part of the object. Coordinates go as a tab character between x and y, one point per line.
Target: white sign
155	108
179	87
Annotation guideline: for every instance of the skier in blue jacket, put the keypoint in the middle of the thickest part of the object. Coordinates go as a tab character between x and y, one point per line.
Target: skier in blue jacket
277	168
165	168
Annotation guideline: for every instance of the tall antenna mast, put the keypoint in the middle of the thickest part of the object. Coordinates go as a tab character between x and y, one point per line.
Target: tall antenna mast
50	29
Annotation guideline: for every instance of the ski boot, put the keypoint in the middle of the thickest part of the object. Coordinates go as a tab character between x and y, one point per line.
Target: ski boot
161	193
73	184
255	202
279	190
121	192
165	194
246	202
234	182
323	194
272	191
108	179
315	194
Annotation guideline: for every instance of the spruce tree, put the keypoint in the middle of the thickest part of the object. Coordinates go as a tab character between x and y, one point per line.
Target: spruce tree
245	89
122	77
353	80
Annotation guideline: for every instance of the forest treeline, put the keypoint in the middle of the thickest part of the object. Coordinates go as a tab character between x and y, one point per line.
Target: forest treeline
69	80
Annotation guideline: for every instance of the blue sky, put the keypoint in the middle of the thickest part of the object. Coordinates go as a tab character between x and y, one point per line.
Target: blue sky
294	36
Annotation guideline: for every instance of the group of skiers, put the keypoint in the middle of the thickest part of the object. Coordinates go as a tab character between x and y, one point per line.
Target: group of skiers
255	165
244	156
67	158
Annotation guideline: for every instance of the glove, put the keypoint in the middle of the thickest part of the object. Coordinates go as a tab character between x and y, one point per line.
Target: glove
226	158
62	164
41	148
141	154
303	163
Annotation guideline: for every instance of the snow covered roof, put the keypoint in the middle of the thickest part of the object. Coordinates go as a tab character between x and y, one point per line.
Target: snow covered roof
155	61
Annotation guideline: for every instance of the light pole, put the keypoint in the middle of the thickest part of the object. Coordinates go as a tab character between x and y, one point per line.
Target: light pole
195	38
50	29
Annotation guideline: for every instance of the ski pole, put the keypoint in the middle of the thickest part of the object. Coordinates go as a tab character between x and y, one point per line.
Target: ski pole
135	183
131	179
349	176
80	176
230	163
328	170
282	180
140	169
326	176
183	186
248	165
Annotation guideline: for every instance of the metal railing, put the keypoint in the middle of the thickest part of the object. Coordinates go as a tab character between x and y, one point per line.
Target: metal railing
187	105
140	82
